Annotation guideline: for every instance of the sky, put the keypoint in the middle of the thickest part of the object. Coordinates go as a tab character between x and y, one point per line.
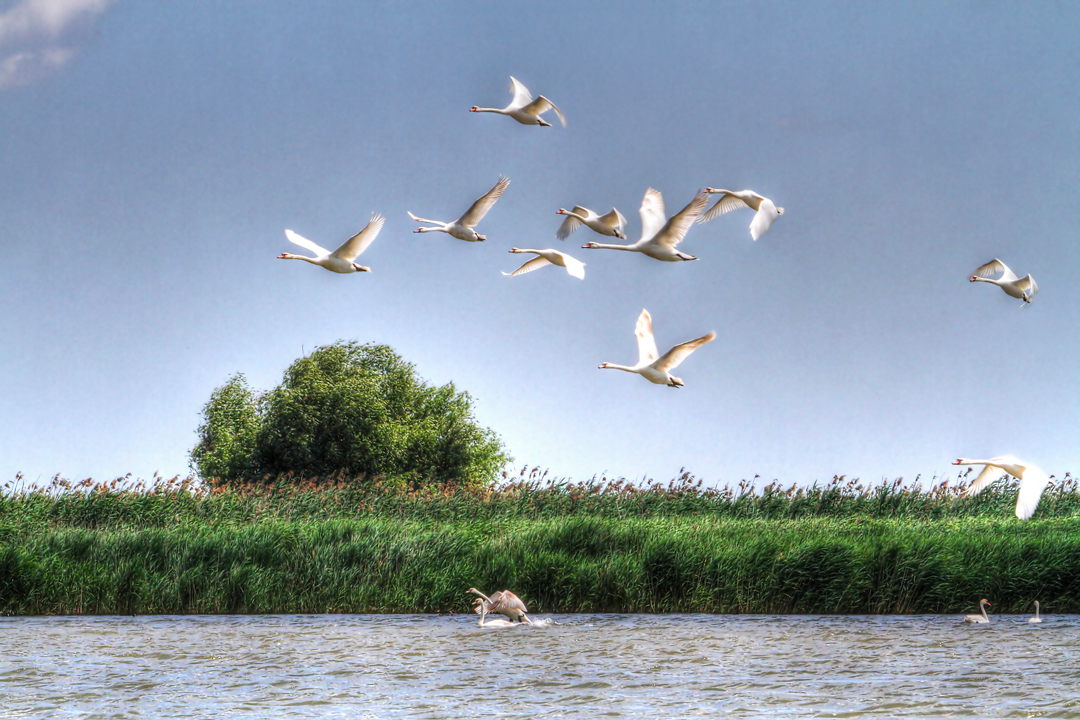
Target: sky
154	154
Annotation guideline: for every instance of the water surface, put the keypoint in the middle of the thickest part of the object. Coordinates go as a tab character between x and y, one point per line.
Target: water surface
581	666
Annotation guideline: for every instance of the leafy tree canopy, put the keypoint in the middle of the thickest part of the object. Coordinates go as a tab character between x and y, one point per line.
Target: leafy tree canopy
346	408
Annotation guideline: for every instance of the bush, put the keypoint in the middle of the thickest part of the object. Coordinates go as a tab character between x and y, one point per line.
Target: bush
348	409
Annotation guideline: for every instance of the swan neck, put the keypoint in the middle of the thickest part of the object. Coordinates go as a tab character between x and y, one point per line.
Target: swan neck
290	256
608	246
494	110
624	368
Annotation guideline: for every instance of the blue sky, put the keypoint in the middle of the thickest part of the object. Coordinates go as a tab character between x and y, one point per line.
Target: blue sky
154	153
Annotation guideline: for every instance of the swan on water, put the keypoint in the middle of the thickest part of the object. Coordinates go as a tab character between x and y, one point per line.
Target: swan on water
659	239
766	211
1032	480
503	602
1022	288
1036	619
549	257
523	108
462	228
984	618
341	260
611	224
494	622
651	367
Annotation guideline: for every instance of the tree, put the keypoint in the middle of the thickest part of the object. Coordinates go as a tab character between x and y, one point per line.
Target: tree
348	408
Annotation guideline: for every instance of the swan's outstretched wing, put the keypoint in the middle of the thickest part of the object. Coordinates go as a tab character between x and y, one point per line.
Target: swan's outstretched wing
652	214
571	223
306	244
989	474
522	96
573	266
646	344
528	267
724	205
614	219
479	208
425	220
1028	283
994	267
675	230
1031	489
541	105
763	219
507	600
359	242
677	354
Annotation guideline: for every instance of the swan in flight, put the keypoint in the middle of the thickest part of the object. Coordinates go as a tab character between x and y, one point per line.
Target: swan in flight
984	618
649	366
503	602
1036	619
523	108
1032	480
736	200
659	239
1022	288
549	257
462	228
341	260
611	224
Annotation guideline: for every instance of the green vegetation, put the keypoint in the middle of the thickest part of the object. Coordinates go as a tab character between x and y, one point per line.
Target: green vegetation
358	410
340	546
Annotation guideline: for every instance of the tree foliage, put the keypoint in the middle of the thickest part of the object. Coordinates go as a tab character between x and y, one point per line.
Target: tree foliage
351	409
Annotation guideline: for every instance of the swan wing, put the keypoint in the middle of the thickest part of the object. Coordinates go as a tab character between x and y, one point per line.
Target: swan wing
480	208
675	230
1028	283
652	214
573	266
306	244
614	219
541	105
522	96
994	267
1031	489
571	223
677	354
507	600
763	219
989	474
646	344
425	220
534	264
724	205
359	242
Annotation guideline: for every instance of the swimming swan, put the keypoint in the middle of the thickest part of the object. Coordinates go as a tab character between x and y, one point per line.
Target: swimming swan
984	618
1036	619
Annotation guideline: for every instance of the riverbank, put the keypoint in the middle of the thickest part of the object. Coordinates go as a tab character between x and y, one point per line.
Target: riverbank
173	549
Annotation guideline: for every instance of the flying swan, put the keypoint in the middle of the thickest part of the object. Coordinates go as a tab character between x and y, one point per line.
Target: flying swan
1032	480
611	224
1022	289
462	228
523	108
341	260
766	212
659	239
549	257
648	366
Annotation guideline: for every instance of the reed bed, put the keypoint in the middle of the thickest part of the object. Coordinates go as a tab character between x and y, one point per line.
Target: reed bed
172	546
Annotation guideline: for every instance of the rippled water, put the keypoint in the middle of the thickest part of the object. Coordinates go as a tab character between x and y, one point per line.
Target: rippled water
581	666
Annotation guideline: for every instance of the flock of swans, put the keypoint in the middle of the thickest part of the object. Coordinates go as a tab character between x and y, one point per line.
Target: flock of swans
660	238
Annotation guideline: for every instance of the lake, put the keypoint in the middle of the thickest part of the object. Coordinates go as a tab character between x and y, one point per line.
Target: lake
578	666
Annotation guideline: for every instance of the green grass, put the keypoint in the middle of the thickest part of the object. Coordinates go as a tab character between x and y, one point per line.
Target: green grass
604	547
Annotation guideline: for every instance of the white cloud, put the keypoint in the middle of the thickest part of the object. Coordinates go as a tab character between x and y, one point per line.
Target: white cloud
37	37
